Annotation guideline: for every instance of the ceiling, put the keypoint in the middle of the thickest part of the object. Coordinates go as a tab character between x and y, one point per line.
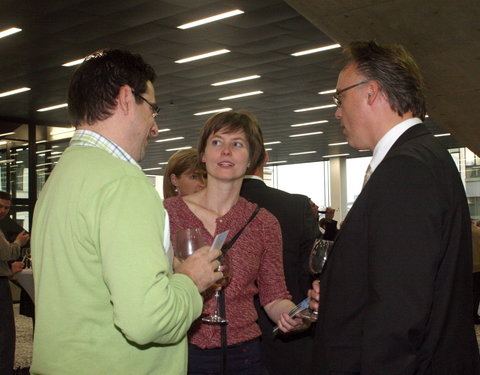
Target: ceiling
261	42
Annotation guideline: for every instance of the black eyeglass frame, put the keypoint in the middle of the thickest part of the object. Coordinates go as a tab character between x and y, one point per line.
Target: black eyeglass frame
336	97
155	108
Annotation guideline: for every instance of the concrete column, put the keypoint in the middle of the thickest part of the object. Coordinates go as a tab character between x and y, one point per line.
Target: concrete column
338	187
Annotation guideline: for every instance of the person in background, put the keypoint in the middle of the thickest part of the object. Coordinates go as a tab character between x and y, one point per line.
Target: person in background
229	142
395	296
285	354
106	299
9	251
328	224
476	269
184	174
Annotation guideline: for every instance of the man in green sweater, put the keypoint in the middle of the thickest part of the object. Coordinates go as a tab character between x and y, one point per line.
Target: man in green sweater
106	299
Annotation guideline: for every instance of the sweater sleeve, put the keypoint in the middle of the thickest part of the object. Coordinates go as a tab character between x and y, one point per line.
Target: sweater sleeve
8	251
149	303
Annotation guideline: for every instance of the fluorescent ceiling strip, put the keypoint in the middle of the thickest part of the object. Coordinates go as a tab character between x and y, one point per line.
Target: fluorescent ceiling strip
3	143
212	111
203	56
309	123
236	80
151	169
4	134
363	150
6	161
214	18
334	156
169	139
442	135
179	148
303	153
52	107
53	156
338	144
314	108
304	134
163	162
241	95
61	131
10	31
13	92
163	130
315	50
43	151
327	92
276	162
268	149
272	143
74	62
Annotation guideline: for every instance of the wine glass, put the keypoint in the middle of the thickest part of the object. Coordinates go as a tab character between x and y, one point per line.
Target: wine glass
215	317
318	257
187	241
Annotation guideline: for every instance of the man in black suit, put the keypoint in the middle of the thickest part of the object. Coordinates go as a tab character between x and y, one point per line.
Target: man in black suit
285	355
395	294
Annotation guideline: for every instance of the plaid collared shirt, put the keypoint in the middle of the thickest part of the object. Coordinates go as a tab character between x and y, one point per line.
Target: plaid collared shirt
90	138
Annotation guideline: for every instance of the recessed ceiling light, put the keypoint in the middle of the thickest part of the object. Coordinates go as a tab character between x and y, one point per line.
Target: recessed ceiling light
314	108
272	143
309	123
315	50
212	111
10	31
52	107
203	56
241	95
303	153
74	62
442	135
327	92
13	92
179	148
335	156
169	139
214	18
151	169
61	131
304	134
276	162
338	144
235	80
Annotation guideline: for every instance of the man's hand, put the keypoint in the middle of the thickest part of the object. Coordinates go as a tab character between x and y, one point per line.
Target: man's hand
314	295
22	238
201	267
16	267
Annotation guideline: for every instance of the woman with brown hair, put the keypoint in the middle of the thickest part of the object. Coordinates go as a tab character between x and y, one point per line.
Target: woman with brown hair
183	175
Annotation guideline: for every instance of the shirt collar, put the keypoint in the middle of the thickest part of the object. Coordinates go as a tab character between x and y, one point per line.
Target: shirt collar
252	177
387	141
85	137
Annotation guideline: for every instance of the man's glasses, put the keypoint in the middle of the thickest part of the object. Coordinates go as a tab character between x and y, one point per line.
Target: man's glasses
155	108
336	97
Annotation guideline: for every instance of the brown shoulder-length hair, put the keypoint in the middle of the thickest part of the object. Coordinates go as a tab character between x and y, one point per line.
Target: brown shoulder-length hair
231	122
179	162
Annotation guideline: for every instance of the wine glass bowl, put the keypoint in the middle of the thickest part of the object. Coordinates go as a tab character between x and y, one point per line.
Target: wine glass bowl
187	241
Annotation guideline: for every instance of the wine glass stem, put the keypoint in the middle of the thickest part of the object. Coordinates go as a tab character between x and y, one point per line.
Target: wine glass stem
217	299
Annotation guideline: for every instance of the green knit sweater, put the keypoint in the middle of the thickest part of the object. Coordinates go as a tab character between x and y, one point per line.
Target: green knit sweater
106	300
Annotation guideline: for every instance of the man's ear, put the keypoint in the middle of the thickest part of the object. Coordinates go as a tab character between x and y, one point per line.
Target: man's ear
373	91
125	99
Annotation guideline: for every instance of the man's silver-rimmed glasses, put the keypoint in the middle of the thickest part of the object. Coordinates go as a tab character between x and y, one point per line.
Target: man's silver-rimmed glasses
155	108
337	99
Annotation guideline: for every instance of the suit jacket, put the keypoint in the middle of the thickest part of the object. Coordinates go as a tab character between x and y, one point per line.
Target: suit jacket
290	355
395	294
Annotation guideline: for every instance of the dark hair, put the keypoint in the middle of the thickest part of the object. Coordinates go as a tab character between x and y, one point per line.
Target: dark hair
233	121
5	196
179	162
396	72
95	84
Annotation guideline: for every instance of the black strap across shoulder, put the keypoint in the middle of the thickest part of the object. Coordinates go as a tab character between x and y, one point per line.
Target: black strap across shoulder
223	327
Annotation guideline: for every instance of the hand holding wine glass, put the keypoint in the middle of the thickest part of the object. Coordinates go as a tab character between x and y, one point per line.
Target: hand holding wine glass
198	262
